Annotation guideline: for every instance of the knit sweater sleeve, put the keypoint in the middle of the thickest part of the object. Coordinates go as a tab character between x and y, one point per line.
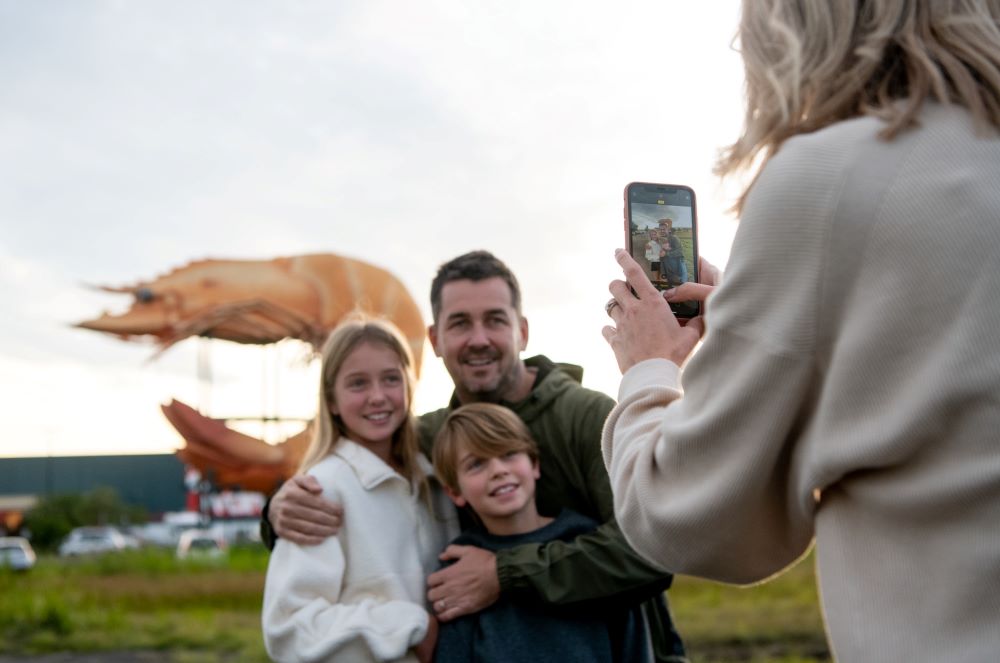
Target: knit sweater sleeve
705	478
719	509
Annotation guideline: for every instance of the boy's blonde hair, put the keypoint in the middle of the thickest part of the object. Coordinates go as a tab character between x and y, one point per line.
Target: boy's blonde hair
329	429
485	430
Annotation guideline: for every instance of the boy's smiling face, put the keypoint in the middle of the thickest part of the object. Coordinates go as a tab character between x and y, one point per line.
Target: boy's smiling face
501	489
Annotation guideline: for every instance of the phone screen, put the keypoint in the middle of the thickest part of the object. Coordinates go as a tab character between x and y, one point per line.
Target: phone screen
661	226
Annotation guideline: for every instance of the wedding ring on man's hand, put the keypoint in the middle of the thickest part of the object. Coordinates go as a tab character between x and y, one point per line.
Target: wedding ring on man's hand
441	605
610	305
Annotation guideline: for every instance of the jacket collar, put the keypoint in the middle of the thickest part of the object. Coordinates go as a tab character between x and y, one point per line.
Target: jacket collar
369	468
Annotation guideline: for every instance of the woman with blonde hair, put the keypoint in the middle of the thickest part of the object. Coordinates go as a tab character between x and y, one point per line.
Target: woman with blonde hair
359	595
848	386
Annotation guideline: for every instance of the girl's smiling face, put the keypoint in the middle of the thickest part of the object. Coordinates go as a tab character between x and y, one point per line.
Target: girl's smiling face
369	396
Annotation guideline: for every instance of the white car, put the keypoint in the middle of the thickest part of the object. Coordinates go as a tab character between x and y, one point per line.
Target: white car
90	540
16	553
201	543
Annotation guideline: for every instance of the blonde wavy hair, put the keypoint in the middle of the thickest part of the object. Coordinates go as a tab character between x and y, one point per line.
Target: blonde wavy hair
329	428
811	63
485	430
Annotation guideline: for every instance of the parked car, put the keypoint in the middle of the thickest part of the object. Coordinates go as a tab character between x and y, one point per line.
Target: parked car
201	543
16	553
132	541
89	540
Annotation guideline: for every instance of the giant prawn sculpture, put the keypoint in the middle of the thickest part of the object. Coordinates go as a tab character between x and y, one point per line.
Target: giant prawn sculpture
259	302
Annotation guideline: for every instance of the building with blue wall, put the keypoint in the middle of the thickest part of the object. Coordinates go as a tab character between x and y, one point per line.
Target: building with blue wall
155	482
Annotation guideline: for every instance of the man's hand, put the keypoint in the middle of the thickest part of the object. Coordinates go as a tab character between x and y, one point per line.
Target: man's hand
299	513
425	650
465	587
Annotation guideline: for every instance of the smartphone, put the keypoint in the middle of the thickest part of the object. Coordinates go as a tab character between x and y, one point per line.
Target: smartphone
661	234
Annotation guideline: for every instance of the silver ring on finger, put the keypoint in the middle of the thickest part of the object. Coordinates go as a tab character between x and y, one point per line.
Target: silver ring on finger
610	305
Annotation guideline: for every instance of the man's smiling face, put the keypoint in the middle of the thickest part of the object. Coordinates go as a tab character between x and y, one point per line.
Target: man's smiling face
480	336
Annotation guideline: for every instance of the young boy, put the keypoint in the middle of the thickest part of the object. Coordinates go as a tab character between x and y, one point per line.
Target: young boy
488	463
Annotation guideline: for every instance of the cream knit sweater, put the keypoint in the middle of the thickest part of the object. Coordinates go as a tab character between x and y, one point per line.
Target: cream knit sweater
847	390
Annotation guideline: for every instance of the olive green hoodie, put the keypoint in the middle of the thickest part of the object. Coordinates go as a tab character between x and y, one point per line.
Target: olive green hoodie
565	420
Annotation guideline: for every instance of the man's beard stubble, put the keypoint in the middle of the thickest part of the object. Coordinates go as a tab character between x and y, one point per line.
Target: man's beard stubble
508	379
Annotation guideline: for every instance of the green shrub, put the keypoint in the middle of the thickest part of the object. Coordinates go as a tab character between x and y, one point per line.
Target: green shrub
28	615
55	617
53	517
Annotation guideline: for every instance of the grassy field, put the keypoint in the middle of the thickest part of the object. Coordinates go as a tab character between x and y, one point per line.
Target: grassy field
210	611
197	610
776	621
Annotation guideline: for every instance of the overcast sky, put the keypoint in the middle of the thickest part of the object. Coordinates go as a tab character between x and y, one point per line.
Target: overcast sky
138	136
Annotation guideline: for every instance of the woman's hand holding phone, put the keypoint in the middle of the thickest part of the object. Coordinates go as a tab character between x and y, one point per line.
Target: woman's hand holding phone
645	327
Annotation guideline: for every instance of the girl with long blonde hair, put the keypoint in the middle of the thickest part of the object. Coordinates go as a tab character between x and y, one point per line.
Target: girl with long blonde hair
359	595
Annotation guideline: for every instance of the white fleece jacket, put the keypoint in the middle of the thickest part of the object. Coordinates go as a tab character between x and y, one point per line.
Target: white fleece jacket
358	596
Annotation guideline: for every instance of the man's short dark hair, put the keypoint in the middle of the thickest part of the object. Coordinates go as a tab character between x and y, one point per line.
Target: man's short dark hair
473	266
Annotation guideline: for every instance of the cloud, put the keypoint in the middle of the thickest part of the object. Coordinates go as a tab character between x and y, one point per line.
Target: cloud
137	137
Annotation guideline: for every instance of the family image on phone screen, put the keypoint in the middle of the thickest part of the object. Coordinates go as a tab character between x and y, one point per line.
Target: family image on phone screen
661	235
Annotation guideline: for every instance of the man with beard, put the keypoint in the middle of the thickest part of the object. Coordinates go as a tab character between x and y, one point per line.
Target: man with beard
479	333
